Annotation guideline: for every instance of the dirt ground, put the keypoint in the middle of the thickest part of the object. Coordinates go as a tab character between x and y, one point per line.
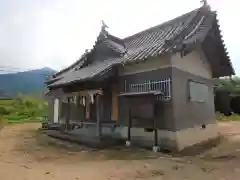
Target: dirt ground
27	154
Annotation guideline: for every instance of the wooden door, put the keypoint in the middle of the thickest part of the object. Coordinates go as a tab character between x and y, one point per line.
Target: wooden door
115	106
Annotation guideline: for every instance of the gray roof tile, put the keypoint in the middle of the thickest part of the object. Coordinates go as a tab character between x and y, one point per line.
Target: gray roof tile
188	29
90	71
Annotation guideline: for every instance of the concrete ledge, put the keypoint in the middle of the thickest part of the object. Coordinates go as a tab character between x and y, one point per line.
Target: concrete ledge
168	140
192	136
174	141
90	141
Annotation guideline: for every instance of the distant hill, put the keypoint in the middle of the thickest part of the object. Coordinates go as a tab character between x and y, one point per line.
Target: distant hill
27	82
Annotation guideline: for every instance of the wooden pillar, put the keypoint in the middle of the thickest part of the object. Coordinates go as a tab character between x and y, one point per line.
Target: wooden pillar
115	106
98	115
87	108
78	101
68	114
128	143
155	130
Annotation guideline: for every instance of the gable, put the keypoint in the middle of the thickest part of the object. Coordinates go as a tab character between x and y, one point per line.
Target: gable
102	52
194	63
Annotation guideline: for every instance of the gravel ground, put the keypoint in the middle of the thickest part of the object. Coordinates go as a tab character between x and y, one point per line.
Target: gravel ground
26	154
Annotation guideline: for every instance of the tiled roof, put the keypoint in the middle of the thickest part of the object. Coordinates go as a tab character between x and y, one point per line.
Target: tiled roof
169	36
72	68
115	46
91	71
172	36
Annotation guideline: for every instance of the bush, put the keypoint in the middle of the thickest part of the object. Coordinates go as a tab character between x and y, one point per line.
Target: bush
29	104
4	111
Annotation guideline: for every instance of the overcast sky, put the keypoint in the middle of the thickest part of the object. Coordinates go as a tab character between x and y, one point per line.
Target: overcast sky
54	33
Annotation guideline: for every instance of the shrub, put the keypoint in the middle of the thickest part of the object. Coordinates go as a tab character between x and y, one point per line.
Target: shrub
28	104
4	111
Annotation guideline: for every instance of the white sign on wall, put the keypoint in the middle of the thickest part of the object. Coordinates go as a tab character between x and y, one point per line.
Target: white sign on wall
198	92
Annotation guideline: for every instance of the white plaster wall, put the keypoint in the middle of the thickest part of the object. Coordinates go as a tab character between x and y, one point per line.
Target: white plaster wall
56	111
194	63
150	64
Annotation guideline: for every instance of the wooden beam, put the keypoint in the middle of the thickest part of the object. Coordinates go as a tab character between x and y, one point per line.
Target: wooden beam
84	86
155	128
155	124
87	108
129	124
155	132
115	104
68	114
98	115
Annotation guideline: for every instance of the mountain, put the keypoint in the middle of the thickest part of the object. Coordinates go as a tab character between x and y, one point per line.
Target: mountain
24	82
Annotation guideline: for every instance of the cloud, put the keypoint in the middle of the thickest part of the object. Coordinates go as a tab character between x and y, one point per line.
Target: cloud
55	33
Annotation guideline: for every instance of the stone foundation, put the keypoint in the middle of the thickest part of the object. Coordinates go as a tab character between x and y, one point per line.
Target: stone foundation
175	141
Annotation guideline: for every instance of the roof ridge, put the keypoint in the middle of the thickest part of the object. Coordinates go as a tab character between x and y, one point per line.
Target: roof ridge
194	22
103	37
190	21
165	23
72	65
116	40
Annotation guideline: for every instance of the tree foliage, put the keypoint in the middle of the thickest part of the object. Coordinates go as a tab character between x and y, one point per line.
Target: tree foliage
232	85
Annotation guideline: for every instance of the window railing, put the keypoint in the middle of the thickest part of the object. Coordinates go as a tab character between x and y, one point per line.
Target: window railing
163	85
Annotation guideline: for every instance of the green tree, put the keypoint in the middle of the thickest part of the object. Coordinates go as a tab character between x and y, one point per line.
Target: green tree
231	85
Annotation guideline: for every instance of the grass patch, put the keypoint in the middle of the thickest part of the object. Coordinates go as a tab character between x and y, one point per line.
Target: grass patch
23	109
6	102
221	117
